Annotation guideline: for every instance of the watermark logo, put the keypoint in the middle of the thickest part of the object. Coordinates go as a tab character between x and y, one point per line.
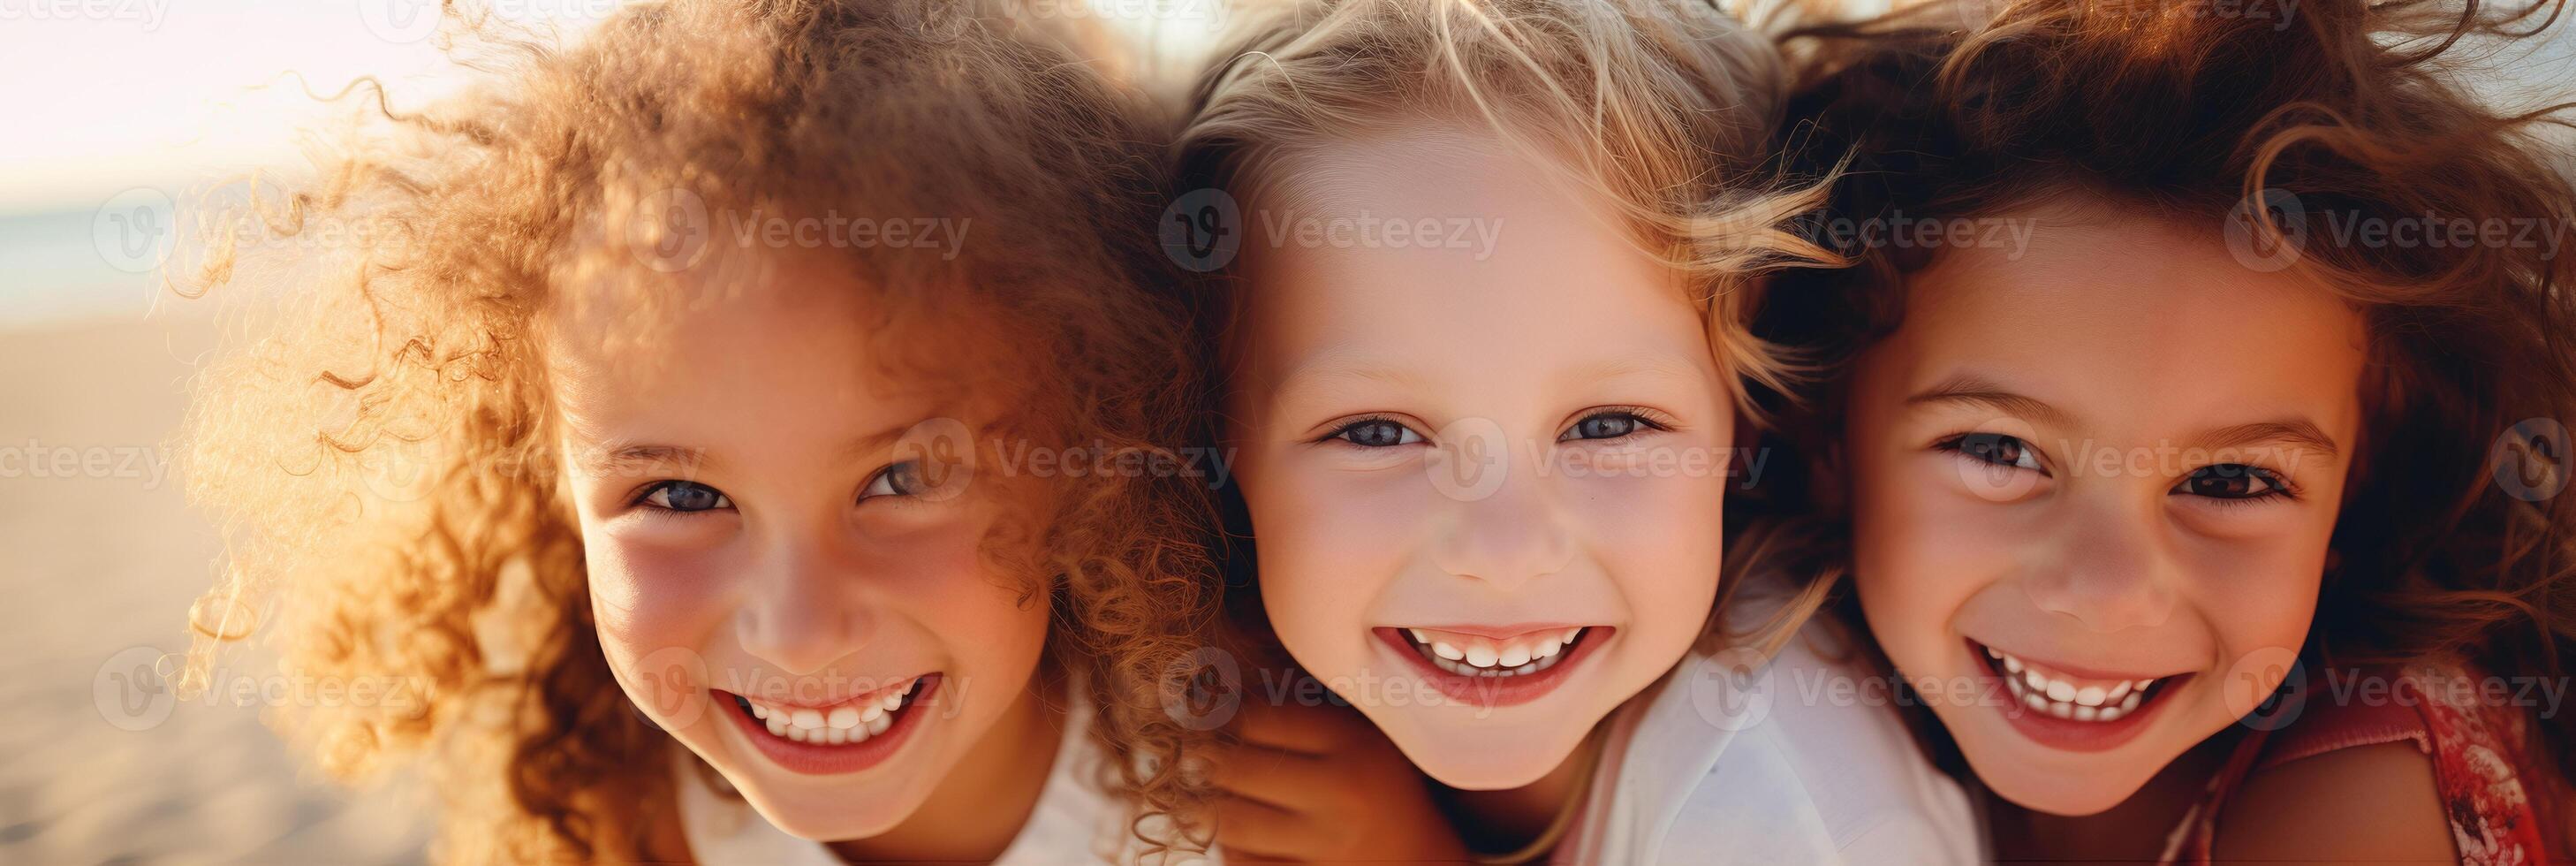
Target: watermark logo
1733	690
135	230
1202	230
940	452
1470	460
2530	459
669	232
1202	690
2267	230
2266	689
130	691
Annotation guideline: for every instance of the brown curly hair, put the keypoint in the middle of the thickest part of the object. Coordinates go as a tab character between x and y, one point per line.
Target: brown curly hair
2347	111
377	440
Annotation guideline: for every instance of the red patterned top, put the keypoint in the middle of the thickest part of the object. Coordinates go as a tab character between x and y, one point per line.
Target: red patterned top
2477	746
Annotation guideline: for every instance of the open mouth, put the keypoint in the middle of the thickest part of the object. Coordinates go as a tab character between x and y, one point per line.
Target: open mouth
2070	709
841	737
1477	666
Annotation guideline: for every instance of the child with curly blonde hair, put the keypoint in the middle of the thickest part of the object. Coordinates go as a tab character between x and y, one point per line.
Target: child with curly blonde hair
772	389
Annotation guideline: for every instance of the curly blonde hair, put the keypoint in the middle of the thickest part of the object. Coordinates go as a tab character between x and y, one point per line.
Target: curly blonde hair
378	443
1667	110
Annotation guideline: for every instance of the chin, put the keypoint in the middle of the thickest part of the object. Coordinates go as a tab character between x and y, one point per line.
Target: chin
826	820
2072	795
1480	755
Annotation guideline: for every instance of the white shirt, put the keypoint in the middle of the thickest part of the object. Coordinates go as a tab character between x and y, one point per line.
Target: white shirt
1714	764
1074	821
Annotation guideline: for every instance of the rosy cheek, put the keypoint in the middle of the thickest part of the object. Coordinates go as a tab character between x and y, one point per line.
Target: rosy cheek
647	598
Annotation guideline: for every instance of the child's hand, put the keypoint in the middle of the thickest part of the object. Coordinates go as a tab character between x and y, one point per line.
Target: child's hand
1319	783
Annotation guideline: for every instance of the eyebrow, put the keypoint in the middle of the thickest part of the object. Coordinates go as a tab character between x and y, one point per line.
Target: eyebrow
1971	390
2295	431
1974	390
639	458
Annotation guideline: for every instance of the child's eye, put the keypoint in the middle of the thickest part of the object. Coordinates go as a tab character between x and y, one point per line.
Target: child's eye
1994	448
1609	424
684	497
2234	481
901	479
1376	433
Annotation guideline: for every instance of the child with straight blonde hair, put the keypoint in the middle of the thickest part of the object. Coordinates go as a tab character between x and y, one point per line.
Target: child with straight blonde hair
1484	272
676	441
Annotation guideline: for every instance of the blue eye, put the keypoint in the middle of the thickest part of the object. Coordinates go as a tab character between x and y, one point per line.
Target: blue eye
684	497
1613	424
2233	481
1376	433
901	479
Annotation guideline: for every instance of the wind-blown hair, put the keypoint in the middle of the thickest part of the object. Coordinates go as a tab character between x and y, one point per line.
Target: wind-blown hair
2269	133
381	447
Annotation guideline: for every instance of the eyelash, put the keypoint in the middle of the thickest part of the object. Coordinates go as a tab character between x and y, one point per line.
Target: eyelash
643	498
1647	420
2280	486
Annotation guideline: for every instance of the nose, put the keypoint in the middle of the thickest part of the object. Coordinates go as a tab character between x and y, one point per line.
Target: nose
804	607
1505	538
2112	571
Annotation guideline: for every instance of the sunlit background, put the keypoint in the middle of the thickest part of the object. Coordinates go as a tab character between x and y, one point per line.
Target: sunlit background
112	111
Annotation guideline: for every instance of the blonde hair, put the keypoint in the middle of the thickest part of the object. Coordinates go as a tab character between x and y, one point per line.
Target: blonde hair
1666	110
464	577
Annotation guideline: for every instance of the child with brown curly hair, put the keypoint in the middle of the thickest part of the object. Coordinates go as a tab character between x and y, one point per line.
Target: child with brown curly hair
753	402
2192	432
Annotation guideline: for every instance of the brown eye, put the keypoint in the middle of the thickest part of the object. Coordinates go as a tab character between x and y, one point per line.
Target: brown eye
2230	481
1996	448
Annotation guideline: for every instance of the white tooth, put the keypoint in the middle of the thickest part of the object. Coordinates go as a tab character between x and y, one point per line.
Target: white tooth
2012	665
1545	663
1525	668
2061	691
1548	647
1482	655
893	700
1459	668
2118	690
1447	650
2090	696
2085	714
2037	683
2034	701
1514	656
2131	703
869	714
843	718
759	712
2143	684
1571	634
1418	636
807	718
2110	714
778	724
880	725
801	735
2060	710
836	736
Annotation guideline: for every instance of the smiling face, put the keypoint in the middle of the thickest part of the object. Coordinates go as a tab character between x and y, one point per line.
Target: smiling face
783	578
1485	480
2099	481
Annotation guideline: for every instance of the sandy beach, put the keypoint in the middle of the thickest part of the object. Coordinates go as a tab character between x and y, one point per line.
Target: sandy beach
103	558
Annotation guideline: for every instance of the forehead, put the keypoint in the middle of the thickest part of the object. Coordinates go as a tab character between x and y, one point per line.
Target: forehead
2133	317
1433	249
765	343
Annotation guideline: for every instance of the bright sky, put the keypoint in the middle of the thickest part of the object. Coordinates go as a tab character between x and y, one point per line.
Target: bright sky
107	95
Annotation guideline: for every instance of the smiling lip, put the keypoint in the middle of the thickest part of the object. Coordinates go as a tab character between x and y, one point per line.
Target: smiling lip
824	759
1497	691
2135	706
